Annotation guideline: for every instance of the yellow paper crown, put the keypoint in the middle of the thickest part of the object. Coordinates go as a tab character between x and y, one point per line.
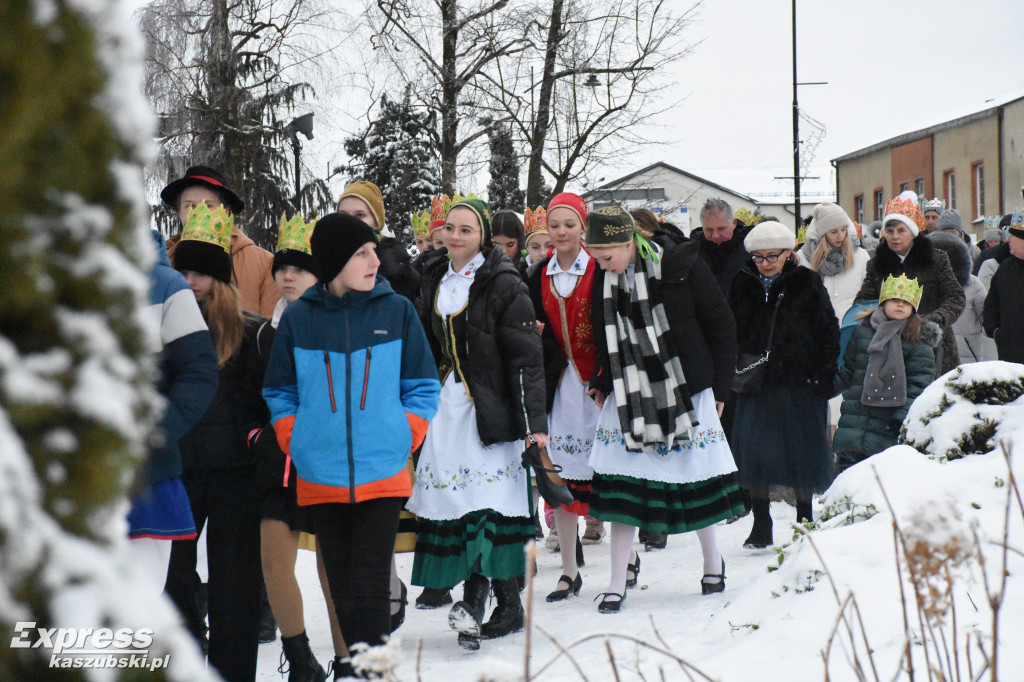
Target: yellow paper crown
213	227
746	216
421	223
535	221
295	234
902	288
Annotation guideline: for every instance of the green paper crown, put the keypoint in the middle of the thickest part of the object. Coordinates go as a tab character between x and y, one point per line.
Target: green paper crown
420	223
902	288
295	234
213	227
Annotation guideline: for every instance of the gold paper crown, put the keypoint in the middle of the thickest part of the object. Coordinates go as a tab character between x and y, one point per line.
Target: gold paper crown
439	210
902	288
801	235
213	227
535	221
904	207
421	223
295	234
746	216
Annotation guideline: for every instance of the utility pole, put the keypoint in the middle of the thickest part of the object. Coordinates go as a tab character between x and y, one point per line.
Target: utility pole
796	134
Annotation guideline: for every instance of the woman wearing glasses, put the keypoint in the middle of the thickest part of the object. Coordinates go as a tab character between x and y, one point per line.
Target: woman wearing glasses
779	435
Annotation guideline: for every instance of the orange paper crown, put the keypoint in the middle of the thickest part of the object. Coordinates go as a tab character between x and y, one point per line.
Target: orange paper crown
536	221
439	210
905	207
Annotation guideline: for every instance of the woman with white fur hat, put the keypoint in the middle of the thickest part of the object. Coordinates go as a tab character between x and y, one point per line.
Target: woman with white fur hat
833	252
779	434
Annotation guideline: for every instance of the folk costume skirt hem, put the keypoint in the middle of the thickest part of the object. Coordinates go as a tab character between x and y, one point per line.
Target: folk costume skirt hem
446	551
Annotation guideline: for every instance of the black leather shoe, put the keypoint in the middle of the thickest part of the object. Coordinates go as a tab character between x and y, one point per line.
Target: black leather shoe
574	586
712	588
398	617
610	605
633	572
433	598
655	541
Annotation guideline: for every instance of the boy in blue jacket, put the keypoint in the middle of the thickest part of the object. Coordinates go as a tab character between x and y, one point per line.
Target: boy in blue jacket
351	386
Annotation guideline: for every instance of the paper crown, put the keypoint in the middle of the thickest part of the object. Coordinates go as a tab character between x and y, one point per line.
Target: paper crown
801	235
746	216
213	227
439	211
936	204
906	208
902	288
421	223
1016	227
992	222
535	221
294	234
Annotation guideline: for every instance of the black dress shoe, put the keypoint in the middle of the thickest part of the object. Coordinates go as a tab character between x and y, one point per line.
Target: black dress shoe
655	540
610	605
633	572
433	598
712	588
574	586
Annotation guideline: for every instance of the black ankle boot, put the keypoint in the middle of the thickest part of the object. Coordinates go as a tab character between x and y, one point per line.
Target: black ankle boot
804	511
302	664
508	614
467	615
761	534
343	668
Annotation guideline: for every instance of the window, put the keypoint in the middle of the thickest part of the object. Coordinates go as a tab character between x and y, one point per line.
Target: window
919	186
858	208
949	188
879	204
978	187
903	188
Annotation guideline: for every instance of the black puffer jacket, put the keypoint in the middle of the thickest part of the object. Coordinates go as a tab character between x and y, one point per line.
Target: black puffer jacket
1004	310
806	343
700	323
1000	252
943	298
725	260
397	268
220	439
505	357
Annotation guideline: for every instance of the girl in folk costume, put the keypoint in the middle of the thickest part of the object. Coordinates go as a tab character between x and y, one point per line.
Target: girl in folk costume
218	455
470	494
666	354
538	241
889	360
561	289
511	237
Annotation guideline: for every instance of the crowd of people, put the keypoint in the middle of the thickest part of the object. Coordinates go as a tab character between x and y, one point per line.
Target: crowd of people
647	380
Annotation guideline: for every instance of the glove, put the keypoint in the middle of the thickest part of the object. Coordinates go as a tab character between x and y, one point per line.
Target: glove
936	317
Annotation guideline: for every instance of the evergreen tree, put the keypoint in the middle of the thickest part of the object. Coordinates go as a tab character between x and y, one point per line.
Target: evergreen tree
77	403
503	190
396	153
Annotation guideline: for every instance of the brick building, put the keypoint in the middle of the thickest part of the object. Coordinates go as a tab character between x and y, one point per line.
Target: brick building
974	161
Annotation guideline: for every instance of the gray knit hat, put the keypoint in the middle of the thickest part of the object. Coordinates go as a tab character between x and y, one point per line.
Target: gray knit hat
993	234
770	234
829	216
950	220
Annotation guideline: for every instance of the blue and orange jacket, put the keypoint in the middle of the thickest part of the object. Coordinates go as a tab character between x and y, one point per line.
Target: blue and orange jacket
351	386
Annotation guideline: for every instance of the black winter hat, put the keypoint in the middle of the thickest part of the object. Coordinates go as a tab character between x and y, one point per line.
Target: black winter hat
335	238
299	259
209	259
207	177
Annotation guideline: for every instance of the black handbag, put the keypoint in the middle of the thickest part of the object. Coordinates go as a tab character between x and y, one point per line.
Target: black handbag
751	368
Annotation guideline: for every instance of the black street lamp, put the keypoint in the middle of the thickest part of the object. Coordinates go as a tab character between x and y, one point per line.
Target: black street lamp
303	124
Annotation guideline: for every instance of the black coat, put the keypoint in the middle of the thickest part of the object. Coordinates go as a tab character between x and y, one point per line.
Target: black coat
943	298
504	348
701	326
806	344
220	439
725	260
397	268
1000	252
1004	310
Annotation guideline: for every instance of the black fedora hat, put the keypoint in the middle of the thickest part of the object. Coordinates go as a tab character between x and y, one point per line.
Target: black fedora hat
203	176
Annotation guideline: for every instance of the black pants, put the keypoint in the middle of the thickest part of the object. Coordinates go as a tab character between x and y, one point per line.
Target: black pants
357	542
224	500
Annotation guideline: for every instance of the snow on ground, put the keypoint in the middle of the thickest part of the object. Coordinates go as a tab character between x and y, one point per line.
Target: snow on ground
768	624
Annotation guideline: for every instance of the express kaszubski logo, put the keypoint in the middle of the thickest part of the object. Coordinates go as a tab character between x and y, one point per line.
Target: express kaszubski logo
90	647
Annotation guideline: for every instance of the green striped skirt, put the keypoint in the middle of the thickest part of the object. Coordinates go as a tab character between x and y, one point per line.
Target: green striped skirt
446	551
655	506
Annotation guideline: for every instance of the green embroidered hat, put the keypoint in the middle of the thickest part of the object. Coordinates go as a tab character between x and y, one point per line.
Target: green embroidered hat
483	214
609	226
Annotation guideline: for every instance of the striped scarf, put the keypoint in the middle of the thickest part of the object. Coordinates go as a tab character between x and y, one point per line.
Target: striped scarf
654	404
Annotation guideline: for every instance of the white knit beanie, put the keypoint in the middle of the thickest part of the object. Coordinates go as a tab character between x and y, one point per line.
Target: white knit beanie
829	216
769	235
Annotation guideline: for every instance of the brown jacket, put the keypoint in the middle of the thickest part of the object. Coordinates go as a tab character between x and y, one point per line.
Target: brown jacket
251	273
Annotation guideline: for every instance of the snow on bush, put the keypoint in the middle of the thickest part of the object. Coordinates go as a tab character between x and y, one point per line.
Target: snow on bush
967	411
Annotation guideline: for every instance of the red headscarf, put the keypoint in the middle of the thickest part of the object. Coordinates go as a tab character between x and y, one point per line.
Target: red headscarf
573	202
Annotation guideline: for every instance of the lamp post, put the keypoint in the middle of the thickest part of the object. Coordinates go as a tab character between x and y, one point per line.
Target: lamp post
303	124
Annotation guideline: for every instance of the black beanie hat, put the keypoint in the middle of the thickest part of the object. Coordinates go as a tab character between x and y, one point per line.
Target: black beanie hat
208	259
335	238
299	259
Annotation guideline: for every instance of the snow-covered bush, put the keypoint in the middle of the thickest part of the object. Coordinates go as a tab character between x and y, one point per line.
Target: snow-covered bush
966	411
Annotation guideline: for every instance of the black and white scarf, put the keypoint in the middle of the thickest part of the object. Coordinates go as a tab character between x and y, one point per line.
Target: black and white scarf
654	404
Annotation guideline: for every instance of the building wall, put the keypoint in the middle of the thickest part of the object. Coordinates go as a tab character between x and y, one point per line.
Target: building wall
911	162
958	150
861	176
1013	158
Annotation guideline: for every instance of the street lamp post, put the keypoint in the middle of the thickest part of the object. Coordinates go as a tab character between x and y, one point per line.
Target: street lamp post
303	124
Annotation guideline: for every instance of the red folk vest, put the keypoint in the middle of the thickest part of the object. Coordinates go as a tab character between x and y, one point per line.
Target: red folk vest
570	320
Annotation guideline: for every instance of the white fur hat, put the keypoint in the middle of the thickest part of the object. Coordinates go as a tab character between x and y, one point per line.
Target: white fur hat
828	216
770	234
